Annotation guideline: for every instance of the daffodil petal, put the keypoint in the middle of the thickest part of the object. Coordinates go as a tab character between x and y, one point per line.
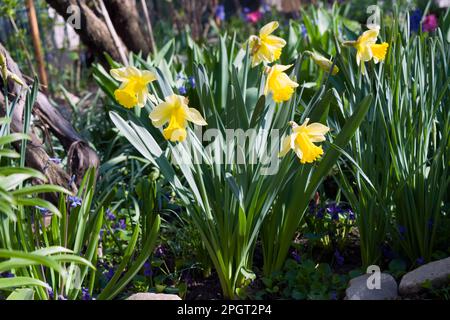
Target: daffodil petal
268	28
161	114
148	76
120	74
368	37
285	146
317	129
193	115
142	98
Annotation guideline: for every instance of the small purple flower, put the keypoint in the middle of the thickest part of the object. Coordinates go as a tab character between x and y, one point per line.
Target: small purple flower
339	258
121	224
414	20
182	90
61	297
55	160
334	210
192	82
304	31
180	76
110	273
74	201
296	256
110	215
351	215
159	251
312	207
51	294
42	210
148	272
85	294
246	10
320	213
220	12
266	8
6	274
420	261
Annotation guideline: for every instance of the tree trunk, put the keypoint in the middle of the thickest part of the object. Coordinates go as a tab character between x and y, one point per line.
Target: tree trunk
287	6
93	30
125	17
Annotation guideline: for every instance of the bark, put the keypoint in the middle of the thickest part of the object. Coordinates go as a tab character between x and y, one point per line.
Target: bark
125	17
93	30
286	6
80	155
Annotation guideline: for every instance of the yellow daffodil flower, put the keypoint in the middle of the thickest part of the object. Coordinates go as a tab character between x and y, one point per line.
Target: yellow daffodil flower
323	63
279	83
133	90
265	47
302	141
175	111
368	49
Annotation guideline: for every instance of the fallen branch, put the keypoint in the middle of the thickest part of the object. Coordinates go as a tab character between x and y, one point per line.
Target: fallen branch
80	155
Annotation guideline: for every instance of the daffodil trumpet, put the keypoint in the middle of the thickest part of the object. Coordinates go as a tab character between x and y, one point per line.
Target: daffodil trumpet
302	141
279	83
176	112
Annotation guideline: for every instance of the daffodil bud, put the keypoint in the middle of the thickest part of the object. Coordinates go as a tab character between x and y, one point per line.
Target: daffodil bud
324	63
3	68
15	78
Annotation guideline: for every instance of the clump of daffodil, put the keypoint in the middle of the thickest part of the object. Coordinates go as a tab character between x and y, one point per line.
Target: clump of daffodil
175	111
134	88
367	48
302	141
5	73
279	83
323	63
265	47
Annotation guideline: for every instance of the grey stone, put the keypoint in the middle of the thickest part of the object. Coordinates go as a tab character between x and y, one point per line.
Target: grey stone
358	289
437	272
153	296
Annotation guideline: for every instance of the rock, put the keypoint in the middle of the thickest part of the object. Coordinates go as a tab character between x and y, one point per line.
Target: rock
437	272
358	289
153	296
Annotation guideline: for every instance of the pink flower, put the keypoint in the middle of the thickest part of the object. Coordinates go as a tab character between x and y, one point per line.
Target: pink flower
430	23
254	16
